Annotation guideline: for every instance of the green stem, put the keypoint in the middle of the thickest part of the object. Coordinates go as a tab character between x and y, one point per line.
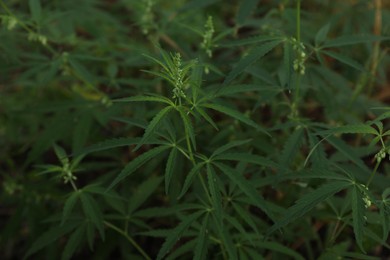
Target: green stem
378	162
139	249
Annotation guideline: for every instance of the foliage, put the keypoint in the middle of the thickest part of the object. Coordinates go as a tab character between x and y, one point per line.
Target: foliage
194	129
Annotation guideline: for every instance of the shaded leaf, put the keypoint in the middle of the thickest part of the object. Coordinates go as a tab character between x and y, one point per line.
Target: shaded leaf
358	216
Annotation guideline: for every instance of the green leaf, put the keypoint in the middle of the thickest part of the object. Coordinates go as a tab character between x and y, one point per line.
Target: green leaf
345	59
109	144
352	129
150	98
49	237
346	40
358	215
228	146
235	114
252	40
190	177
82	72
246	187
244	214
226	239
200	251
214	192
188	128
92	212
322	34
136	163
73	243
69	205
176	233
144	191
206	117
35	9
287	69
245	10
169	168
150	130
308	202
276	247
61	154
254	55
291	147
248	158
81	132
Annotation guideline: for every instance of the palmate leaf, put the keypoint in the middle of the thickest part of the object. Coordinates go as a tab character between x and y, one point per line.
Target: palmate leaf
73	243
232	90
206	117
228	146
322	34
214	192
35	9
150	130
144	191
248	158
136	163
287	71
188	128
352	129
276	247
358	215
251	40
244	214
308	202
254	55
291	147
169	168
176	233
235	114
200	252
93	212
109	144
245	187
69	205
190	178
346	40
50	236
245	10
345	59
148	98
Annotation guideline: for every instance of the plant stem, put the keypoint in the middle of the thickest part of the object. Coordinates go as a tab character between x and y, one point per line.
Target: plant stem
139	249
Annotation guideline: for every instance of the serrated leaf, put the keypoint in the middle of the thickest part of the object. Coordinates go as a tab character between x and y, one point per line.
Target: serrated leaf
109	144
235	114
61	154
254	55
188	128
169	168
245	187
227	240
276	247
189	179
291	147
150	98
287	69
176	233
206	117
69	205
144	191
232	90
308	202
214	192
81	71
251	40
352	129
248	158
92	212
384	210
228	146
49	237
136	163
200	251
244	214
358	216
35	9
245	10
345	59
346	40
74	241
322	34
150	130
81	132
